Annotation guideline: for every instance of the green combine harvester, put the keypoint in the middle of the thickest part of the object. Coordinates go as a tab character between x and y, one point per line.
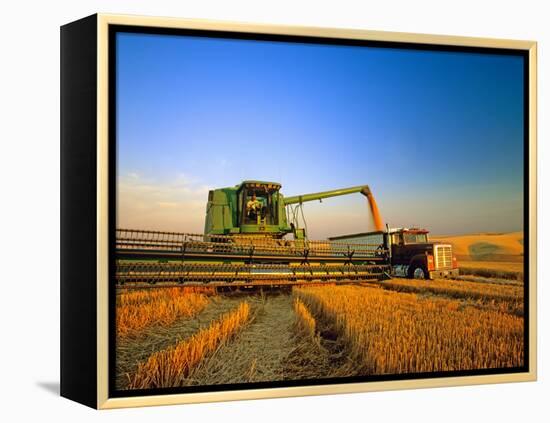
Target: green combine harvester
251	237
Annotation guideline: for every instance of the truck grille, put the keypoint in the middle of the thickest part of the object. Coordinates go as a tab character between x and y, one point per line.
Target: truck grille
443	257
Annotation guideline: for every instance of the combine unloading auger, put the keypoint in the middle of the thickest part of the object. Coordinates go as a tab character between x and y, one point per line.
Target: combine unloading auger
363	189
244	244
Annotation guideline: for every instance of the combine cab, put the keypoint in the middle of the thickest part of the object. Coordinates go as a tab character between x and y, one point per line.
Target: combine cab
251	237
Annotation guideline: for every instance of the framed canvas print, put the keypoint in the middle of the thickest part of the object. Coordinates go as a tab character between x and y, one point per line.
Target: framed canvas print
255	211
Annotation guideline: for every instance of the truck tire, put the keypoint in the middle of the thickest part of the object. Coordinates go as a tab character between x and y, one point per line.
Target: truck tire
418	271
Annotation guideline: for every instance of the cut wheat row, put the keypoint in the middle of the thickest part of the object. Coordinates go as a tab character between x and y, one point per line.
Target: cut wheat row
305	322
144	296
170	367
389	332
505	298
458	289
138	310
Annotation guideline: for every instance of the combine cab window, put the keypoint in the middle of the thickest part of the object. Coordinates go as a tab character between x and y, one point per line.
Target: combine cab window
258	207
415	238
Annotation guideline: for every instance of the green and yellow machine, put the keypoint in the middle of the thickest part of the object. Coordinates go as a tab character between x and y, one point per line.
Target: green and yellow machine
258	208
251	237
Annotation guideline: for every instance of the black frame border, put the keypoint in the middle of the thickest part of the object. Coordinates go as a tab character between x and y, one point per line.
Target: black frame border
78	211
115	29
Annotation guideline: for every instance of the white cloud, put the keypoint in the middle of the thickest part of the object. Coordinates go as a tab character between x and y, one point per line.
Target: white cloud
178	205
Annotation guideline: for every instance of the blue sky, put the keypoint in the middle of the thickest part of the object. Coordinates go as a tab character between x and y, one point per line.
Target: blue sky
437	135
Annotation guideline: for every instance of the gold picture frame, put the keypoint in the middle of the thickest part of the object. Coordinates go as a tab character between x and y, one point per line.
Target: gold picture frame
96	33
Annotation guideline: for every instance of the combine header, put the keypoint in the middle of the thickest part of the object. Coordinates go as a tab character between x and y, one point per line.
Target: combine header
245	242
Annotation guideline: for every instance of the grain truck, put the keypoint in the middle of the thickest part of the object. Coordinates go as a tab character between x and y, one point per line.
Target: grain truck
410	253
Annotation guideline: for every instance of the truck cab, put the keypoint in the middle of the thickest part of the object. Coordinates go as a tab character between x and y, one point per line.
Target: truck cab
414	256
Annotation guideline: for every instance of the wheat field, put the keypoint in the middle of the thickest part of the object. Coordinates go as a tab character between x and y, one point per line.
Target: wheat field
304	320
139	309
392	332
496	296
169	367
171	337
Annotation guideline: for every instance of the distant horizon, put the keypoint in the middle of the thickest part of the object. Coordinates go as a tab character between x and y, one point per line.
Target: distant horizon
438	136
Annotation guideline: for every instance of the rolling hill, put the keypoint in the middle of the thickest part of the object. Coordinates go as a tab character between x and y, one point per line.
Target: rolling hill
506	247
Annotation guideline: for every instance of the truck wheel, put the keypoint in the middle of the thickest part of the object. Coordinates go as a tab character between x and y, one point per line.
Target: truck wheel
418	271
